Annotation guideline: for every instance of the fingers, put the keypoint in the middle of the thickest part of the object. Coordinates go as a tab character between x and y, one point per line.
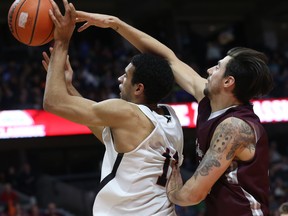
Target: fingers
73	12
83	27
50	50
68	65
80	20
55	13
66	5
46	58
45	62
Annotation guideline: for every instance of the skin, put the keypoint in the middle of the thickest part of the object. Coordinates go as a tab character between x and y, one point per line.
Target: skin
232	140
128	124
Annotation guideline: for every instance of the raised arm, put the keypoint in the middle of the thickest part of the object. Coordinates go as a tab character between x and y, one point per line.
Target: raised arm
97	131
64	101
185	76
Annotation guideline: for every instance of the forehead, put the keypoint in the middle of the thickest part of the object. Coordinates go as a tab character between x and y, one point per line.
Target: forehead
223	62
130	68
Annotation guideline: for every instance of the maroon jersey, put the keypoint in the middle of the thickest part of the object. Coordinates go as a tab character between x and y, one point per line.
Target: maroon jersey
244	188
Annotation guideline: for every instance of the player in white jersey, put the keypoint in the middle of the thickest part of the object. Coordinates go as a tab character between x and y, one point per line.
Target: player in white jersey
134	183
142	138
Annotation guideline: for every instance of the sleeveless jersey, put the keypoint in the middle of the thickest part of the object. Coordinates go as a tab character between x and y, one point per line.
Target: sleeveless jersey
244	188
134	183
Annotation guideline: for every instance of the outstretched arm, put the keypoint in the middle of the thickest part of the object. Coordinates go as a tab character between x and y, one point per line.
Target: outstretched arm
185	76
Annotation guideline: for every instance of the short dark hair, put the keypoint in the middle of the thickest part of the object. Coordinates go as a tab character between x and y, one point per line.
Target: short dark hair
155	74
251	73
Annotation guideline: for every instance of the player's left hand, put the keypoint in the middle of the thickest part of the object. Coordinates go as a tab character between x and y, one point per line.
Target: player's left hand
175	182
64	24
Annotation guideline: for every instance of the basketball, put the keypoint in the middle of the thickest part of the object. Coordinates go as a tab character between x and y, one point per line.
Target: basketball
30	23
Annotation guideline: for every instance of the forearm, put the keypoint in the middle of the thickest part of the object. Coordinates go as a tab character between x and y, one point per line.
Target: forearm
185	76
185	196
140	40
55	81
97	131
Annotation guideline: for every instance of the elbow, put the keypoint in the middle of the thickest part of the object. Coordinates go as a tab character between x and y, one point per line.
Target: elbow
191	197
46	105
49	104
196	198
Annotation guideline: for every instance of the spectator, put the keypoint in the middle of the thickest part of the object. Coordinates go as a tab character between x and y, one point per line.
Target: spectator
9	198
52	210
35	211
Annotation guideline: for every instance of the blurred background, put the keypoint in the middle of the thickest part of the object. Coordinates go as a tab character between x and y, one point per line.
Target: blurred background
60	173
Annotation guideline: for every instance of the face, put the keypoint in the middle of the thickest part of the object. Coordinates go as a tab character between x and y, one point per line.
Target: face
125	85
216	78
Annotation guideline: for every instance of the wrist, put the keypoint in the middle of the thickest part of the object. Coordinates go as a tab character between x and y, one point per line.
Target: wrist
114	23
61	44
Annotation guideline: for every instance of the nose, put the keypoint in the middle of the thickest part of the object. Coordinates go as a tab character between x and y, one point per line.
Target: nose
209	71
120	79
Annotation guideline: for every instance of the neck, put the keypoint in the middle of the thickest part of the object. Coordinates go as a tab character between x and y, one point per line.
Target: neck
220	104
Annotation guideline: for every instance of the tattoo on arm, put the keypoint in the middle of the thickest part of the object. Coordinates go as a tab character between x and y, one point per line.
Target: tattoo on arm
233	133
206	165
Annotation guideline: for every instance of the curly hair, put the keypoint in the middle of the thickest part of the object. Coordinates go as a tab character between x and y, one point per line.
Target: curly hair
155	74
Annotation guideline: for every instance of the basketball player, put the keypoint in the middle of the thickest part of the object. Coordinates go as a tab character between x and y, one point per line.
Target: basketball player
142	138
231	144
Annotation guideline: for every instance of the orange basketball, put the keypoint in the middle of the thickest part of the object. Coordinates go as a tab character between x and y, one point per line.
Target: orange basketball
30	23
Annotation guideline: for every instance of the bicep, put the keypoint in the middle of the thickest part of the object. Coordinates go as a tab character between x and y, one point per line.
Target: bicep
231	140
90	113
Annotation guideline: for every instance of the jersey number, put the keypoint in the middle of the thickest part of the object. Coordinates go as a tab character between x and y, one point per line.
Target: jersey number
162	180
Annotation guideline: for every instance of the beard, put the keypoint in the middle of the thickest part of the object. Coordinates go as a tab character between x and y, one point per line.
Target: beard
206	92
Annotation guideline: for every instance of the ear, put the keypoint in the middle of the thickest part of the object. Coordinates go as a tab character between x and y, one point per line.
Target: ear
229	81
139	89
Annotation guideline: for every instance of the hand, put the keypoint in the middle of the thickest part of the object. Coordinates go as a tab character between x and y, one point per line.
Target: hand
64	25
68	69
175	182
99	20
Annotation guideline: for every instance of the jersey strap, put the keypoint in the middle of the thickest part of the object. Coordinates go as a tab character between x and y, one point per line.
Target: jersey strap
112	175
167	114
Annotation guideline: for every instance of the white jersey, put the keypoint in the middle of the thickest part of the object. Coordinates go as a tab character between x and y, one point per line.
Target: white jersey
134	183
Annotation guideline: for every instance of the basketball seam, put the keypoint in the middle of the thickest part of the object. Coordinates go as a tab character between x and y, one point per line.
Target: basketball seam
46	40
35	21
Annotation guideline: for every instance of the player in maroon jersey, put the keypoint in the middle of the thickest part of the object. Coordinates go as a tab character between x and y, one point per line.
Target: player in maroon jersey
232	146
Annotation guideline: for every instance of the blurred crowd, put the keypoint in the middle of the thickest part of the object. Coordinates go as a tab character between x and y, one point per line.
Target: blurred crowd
98	60
18	194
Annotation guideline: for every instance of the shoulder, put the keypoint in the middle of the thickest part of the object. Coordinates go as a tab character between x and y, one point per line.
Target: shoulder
116	105
235	134
235	127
